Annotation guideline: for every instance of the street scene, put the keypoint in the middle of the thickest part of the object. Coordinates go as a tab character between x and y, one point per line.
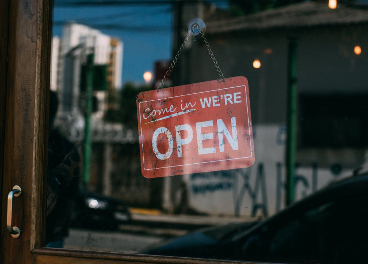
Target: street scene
231	130
147	229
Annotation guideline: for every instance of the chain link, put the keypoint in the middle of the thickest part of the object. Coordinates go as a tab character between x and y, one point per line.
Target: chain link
212	56
172	65
175	60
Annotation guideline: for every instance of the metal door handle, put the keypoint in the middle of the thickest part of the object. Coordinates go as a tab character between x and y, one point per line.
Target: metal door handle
13	230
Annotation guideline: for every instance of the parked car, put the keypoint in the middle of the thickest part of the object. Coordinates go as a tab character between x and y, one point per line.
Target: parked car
330	226
91	210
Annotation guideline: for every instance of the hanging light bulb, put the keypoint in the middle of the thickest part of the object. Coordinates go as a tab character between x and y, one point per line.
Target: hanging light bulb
332	4
357	50
256	64
147	76
267	51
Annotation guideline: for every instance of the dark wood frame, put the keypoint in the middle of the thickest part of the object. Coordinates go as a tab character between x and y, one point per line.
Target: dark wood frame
4	19
26	27
25	38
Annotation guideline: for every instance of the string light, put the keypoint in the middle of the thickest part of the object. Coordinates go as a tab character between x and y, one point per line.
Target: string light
332	4
256	64
357	50
147	76
267	51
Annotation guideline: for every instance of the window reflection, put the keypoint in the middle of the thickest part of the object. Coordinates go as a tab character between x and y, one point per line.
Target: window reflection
232	214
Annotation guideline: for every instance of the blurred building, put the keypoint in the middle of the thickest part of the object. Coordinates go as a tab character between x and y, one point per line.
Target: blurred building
114	68
69	80
161	67
68	61
55	72
332	94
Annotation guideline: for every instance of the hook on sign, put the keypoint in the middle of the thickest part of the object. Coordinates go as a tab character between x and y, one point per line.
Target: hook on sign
196	26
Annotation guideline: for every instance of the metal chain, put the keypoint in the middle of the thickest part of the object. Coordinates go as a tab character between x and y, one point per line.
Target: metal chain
172	65
212	56
175	60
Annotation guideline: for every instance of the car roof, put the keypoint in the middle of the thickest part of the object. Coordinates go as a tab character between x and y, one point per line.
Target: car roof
354	185
339	187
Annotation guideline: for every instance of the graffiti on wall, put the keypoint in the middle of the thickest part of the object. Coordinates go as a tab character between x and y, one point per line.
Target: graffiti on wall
255	193
261	188
258	191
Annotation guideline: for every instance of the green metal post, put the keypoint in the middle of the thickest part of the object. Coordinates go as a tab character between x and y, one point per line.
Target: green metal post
291	120
87	117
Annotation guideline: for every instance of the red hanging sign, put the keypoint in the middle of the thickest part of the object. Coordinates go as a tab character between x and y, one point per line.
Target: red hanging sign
195	128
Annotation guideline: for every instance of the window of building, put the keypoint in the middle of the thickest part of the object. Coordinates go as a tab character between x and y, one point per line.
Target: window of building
333	121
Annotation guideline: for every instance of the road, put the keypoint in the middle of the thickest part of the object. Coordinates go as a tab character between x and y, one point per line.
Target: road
143	231
116	241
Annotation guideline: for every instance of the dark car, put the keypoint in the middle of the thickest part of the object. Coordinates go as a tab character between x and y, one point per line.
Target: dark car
91	210
330	226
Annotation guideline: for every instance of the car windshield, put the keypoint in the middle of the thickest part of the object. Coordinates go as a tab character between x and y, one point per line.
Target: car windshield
194	128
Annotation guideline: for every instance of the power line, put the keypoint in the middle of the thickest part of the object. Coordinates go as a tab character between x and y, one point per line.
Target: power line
120	27
110	3
121	24
90	3
123	15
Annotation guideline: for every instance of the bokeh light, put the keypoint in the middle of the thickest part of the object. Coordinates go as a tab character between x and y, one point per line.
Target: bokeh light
256	64
332	4
147	76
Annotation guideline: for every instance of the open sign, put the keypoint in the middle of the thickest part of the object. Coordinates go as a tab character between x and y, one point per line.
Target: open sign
195	128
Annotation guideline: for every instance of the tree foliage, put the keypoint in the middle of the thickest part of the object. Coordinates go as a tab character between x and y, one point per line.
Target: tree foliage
126	112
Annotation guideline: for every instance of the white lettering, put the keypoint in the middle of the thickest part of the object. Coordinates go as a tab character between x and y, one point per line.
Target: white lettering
153	113
180	141
187	105
215	100
222	130
228	98
236	97
201	137
206	101
154	143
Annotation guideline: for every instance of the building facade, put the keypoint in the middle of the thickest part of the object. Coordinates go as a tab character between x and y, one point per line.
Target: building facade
331	91
68	57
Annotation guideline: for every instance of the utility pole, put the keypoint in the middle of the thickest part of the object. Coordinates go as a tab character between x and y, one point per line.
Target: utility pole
87	117
292	95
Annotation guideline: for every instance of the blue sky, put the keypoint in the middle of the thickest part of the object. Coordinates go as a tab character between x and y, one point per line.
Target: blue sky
141	46
147	32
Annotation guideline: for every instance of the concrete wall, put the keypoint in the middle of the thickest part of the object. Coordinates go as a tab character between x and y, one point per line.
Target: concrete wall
260	189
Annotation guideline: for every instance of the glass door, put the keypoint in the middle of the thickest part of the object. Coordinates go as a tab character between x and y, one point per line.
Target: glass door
25	71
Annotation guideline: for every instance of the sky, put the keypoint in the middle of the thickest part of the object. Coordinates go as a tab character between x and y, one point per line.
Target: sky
146	32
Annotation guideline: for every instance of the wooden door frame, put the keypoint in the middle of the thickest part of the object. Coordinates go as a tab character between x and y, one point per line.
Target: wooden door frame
27	28
4	19
25	38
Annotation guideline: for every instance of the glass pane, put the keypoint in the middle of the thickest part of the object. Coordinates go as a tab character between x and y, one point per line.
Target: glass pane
305	63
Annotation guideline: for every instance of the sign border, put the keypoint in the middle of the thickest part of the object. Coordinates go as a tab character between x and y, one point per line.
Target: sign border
246	106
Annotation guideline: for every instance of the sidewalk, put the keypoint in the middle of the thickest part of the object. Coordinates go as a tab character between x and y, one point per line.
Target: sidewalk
154	222
189	219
